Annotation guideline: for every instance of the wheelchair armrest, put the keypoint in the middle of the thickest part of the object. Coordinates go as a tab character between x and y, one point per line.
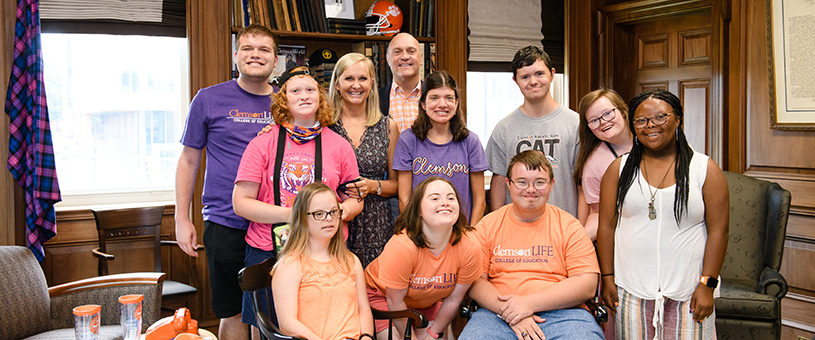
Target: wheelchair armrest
175	243
102	256
772	283
597	309
417	319
467	308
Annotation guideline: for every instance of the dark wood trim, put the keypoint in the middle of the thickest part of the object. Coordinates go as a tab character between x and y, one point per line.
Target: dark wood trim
106	281
451	42
635	11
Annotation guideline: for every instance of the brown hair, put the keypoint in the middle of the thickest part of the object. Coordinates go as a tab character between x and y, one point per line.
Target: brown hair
280	108
422	124
255	29
533	160
588	141
411	219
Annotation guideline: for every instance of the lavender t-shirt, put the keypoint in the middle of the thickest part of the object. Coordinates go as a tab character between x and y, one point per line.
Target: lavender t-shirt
224	118
452	160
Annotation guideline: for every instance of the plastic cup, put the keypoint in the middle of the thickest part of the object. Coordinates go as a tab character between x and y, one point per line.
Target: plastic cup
86	322
131	316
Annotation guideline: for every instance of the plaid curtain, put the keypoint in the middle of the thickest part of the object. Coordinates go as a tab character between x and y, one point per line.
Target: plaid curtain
31	155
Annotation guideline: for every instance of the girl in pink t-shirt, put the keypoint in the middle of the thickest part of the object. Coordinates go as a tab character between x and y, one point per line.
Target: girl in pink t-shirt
316	273
430	262
604	136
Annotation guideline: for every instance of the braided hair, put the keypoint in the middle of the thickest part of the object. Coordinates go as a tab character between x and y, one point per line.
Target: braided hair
683	154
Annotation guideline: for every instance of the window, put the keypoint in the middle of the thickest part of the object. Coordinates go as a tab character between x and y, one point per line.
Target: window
491	96
117	106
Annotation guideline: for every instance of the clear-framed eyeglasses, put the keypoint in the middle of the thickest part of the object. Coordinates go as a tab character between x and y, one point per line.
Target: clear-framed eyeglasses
523	184
606	117
320	215
659	119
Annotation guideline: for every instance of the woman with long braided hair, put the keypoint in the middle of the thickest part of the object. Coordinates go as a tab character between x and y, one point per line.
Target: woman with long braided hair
663	228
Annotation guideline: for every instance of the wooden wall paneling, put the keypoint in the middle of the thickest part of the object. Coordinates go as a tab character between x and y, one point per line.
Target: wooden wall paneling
451	42
652	52
7	217
796	252
583	55
694	47
735	36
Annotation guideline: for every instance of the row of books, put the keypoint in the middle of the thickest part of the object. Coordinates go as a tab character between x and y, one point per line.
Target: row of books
285	15
310	16
377	52
419	21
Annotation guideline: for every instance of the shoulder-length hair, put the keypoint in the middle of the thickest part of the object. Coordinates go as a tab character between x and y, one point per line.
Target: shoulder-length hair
422	124
411	219
372	103
589	141
297	246
280	107
683	154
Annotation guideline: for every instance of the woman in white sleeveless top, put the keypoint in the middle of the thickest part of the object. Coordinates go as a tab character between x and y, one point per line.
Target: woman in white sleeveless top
663	226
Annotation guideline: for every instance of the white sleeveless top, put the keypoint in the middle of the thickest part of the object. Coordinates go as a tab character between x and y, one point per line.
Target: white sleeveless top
657	259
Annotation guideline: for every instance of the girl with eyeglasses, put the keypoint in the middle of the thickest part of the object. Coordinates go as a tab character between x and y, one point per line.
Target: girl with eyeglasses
663	228
317	283
429	263
604	136
296	151
439	144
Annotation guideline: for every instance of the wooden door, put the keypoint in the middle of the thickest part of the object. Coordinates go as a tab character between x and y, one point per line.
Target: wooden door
675	54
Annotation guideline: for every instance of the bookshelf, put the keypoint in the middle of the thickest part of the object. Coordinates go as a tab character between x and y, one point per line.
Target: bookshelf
210	31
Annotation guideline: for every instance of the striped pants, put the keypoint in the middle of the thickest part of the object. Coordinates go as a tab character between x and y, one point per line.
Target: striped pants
634	320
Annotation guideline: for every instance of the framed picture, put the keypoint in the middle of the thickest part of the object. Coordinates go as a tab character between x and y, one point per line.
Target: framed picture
339	9
790	63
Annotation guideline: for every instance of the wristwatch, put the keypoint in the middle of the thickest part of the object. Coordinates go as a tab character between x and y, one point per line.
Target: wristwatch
711	282
379	188
434	335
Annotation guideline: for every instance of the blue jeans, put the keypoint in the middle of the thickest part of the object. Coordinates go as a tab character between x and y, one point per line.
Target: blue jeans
253	257
575	323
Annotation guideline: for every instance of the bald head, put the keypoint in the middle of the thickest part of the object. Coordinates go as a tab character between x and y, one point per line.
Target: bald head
404	59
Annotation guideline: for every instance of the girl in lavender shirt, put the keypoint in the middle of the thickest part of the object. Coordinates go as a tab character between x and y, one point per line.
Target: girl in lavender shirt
439	144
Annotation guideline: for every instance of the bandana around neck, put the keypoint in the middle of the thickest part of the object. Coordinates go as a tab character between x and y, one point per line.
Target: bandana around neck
302	135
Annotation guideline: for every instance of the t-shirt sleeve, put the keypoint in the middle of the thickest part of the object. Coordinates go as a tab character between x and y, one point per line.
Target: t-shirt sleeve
254	161
195	128
580	255
470	255
396	263
591	179
496	155
477	157
403	153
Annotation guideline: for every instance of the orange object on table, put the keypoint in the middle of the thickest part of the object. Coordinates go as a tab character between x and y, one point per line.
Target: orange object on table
171	327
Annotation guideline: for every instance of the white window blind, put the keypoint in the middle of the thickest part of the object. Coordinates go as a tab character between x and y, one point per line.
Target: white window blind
126	10
500	28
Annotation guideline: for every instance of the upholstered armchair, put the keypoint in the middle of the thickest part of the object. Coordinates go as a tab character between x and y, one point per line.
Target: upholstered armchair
752	287
31	310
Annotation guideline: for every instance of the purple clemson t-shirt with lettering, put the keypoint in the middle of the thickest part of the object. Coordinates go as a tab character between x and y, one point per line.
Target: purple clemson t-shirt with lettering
453	161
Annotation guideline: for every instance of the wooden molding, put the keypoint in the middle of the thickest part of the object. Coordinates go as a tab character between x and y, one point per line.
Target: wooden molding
652	9
106	281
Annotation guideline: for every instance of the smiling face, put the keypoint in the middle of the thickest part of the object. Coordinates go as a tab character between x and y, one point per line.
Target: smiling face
531	198
323	201
404	56
439	205
255	57
440	105
355	84
534	80
606	131
652	136
303	99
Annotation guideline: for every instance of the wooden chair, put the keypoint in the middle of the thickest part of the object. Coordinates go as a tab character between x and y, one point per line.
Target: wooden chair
127	226
256	278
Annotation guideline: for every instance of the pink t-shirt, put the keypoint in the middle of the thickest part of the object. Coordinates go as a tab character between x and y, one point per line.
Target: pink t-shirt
257	165
525	258
593	171
428	278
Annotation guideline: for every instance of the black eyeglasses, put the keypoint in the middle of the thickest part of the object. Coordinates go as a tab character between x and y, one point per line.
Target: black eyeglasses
523	184
659	119
320	215
606	117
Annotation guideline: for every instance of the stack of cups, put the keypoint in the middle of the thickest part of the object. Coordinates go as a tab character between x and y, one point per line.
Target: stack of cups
131	316
86	322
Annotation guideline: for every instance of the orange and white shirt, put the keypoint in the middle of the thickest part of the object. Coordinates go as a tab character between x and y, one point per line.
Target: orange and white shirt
404	107
428	278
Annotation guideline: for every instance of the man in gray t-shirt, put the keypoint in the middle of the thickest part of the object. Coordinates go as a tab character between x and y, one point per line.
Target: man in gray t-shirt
540	124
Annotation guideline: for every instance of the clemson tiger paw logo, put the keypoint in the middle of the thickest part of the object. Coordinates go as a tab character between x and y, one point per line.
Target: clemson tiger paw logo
393	10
